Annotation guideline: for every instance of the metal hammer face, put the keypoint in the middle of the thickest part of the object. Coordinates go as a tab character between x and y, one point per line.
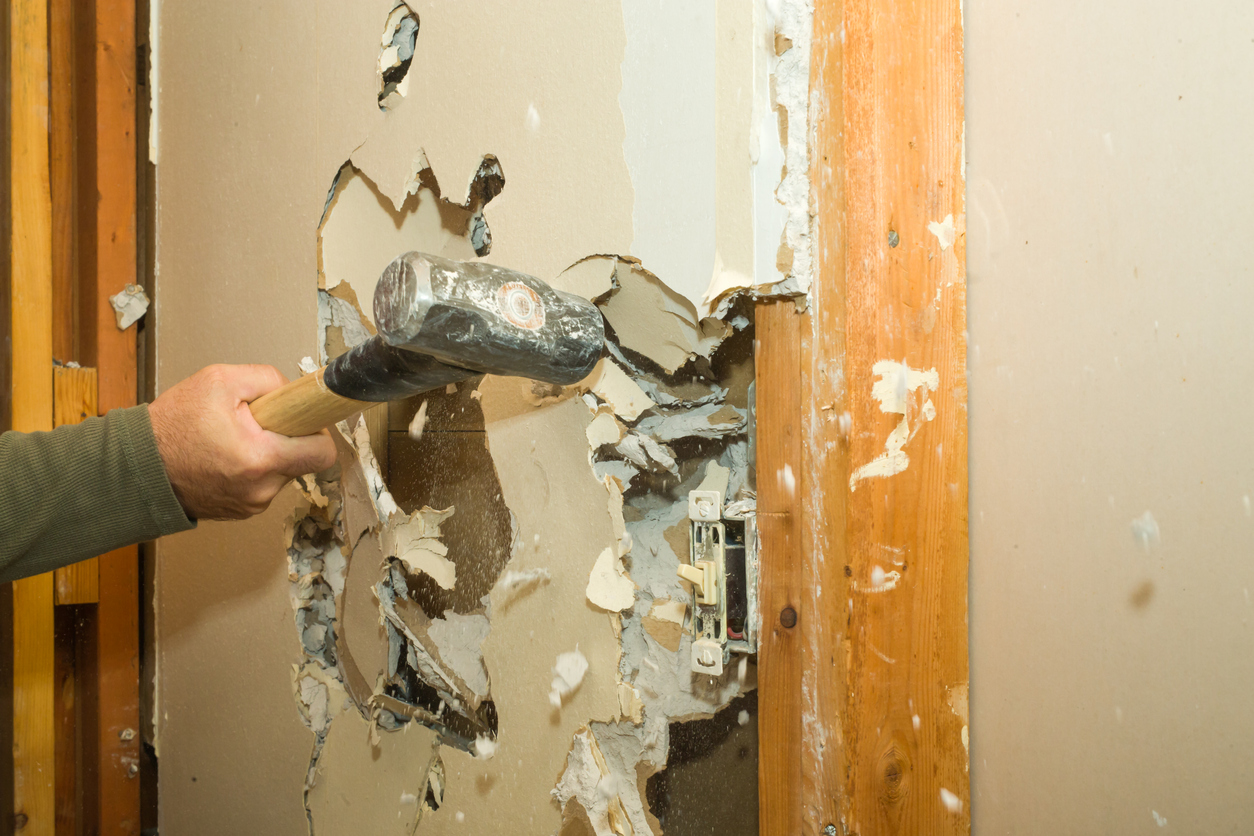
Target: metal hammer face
441	321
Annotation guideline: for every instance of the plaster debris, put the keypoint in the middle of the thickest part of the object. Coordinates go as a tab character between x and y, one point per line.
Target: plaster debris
515	582
952	802
709	421
609	587
414	539
1159	820
743	718
583	783
485	748
612	385
642	450
944	231
419	423
568	673
1145	531
893	390
129	304
603	430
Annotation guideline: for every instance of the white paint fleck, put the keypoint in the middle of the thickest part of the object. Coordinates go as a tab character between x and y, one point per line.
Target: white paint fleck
1159	820
892	390
944	231
532	119
743	718
952	802
918	723
787	479
1145	531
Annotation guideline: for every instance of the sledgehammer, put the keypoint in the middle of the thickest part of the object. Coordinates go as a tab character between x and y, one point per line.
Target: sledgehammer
440	322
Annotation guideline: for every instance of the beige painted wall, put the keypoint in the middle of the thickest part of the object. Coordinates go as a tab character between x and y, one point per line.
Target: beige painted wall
1110	206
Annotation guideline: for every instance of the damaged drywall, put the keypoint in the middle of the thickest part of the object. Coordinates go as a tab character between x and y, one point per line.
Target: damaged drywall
403	621
473	545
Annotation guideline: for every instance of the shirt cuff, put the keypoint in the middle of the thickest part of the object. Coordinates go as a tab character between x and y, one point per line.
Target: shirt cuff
164	510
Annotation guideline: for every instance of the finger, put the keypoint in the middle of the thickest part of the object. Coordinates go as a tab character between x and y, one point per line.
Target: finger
250	381
307	454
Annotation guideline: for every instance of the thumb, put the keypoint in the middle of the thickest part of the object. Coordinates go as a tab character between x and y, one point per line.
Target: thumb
306	454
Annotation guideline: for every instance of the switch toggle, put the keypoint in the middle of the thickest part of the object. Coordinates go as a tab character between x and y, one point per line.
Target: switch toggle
701	576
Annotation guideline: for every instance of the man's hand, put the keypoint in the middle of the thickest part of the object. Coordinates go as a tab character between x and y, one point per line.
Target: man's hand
221	464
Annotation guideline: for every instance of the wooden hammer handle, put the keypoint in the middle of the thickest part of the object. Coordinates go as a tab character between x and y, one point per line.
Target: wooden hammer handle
303	407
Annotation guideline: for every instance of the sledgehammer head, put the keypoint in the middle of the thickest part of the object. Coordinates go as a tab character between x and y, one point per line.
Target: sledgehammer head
440	322
488	319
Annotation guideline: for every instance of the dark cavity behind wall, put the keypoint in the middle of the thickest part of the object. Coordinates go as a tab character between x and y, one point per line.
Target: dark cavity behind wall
710	784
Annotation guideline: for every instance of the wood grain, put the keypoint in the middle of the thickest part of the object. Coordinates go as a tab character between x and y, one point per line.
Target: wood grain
115	354
74	399
31	334
306	405
780	485
62	152
890	287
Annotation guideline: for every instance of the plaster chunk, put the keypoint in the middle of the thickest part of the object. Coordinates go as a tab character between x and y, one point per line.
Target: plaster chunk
609	587
612	385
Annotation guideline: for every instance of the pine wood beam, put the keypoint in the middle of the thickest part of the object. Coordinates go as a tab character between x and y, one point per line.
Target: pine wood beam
74	399
34	739
881	728
115	351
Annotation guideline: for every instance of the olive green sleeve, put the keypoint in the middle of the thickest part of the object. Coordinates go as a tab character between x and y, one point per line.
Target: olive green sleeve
81	491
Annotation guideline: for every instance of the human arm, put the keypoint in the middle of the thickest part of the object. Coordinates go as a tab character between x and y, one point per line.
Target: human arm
147	471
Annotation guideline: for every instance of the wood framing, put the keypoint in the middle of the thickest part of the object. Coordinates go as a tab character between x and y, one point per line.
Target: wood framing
880	737
74	398
115	357
31	333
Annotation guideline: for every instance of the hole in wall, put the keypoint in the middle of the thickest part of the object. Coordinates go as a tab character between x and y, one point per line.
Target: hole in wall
400	36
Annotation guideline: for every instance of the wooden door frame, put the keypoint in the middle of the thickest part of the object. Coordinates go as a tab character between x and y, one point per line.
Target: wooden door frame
863	664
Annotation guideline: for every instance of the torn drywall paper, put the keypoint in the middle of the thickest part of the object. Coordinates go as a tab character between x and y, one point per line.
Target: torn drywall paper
642	451
581	783
593	278
414	539
363	232
459	640
670	340
129	304
613	386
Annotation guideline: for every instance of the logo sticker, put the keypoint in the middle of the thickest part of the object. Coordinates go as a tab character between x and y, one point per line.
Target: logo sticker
521	305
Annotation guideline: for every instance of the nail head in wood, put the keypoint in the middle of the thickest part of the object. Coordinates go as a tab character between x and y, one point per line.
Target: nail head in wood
788	617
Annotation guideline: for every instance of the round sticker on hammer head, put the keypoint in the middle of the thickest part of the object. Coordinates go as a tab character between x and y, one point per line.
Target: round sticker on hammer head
521	305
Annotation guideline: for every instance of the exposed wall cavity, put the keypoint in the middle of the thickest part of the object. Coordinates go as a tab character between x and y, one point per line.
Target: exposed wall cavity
525	526
400	36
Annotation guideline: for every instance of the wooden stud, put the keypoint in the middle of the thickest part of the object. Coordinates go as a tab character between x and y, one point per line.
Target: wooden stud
74	399
115	354
62	145
780	482
31	334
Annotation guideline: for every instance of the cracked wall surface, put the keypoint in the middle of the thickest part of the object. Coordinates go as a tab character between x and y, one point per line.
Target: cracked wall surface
403	640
